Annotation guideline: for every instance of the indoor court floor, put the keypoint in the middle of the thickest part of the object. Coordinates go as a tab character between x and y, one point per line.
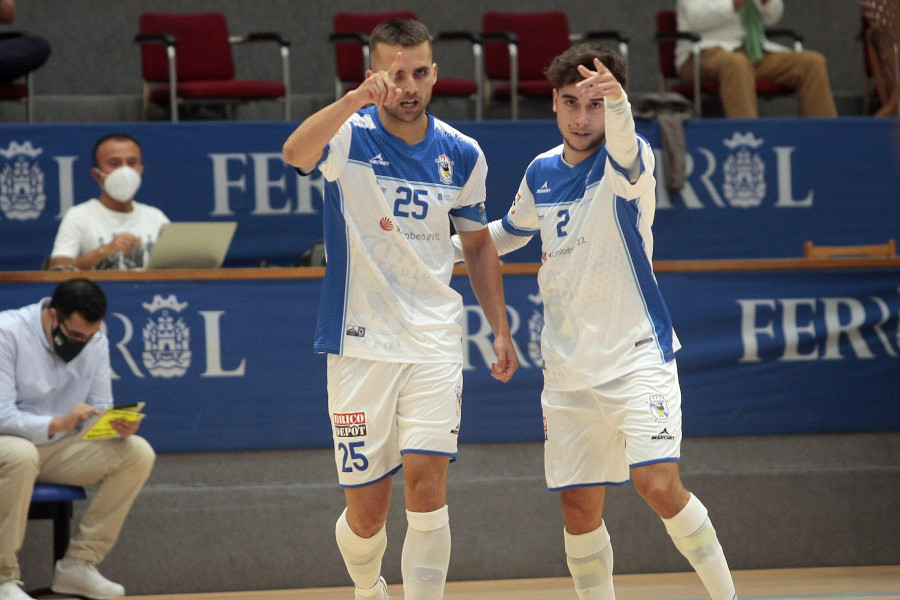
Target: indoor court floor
837	583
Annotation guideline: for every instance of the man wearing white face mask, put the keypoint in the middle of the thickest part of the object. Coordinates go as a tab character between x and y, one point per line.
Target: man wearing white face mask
112	231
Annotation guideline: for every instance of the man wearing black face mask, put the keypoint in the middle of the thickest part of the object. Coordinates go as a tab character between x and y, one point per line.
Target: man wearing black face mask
54	375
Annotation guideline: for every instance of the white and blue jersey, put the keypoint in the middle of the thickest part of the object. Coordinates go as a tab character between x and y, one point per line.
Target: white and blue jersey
387	213
604	315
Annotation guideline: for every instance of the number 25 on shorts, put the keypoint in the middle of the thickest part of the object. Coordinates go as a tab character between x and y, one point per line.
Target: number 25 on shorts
353	458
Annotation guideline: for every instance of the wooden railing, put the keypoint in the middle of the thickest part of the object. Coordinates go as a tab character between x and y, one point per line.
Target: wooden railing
661	266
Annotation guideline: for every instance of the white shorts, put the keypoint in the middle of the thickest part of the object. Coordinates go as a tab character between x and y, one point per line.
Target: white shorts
381	410
595	436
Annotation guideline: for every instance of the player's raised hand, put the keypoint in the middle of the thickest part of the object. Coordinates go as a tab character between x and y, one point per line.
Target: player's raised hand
602	80
380	87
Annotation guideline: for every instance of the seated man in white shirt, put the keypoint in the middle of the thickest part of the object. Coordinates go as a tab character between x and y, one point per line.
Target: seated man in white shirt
112	231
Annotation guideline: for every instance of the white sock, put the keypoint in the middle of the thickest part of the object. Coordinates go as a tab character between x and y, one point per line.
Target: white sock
362	556
696	539
590	559
68	562
426	554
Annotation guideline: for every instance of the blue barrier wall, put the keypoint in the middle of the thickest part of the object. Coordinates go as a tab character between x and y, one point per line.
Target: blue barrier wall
228	364
754	188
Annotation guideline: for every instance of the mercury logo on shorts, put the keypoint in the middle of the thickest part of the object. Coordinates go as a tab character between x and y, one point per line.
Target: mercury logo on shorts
663	435
349	424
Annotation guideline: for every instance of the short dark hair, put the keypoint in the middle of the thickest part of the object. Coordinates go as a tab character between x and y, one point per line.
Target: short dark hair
564	68
117	136
79	295
400	32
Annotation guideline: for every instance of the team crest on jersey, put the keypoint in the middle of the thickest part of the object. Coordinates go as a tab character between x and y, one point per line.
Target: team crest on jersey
445	168
167	340
349	424
21	183
745	184
659	407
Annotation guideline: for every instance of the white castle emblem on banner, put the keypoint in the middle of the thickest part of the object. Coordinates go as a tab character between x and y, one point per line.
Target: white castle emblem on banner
21	183
745	185
167	339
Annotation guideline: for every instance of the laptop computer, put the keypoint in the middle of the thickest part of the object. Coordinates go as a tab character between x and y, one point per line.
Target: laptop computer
191	245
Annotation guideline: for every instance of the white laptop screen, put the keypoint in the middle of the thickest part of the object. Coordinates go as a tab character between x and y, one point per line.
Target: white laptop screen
191	245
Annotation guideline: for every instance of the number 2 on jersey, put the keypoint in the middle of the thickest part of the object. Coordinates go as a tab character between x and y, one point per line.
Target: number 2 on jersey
563	221
407	197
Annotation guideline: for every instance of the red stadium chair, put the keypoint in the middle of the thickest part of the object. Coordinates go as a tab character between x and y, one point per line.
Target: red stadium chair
518	47
21	92
187	60
22	89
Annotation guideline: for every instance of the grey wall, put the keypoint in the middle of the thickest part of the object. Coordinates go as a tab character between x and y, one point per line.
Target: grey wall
94	71
265	520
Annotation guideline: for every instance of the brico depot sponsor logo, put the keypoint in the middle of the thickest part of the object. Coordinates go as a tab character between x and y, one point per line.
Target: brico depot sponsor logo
349	424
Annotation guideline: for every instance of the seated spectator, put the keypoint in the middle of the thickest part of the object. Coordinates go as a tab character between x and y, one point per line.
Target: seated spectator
19	54
883	48
112	231
735	52
54	375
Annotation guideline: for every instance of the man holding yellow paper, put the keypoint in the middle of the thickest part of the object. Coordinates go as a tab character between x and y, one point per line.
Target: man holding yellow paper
54	375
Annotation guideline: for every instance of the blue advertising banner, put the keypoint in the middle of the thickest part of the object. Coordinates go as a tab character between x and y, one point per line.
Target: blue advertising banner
228	364
197	171
220	364
760	188
754	189
794	351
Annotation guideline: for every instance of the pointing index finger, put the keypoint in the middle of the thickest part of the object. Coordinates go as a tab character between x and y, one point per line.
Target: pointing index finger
395	66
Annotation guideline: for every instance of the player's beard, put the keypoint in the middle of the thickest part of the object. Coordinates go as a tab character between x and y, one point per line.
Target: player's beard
588	145
398	113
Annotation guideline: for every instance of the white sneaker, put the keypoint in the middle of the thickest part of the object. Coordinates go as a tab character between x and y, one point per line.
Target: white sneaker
81	578
378	592
12	590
